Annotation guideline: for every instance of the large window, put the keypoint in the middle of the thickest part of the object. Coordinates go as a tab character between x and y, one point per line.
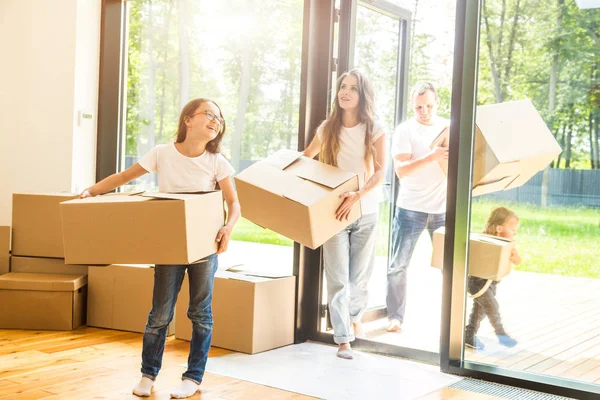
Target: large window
244	55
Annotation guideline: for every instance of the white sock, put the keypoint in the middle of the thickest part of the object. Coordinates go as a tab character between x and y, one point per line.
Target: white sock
185	389
144	387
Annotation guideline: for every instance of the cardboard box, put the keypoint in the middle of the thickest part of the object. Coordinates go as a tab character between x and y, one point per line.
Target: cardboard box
39	265
512	144
442	140
489	256
251	314
296	197
153	228
4	249
120	297
42	301
36	227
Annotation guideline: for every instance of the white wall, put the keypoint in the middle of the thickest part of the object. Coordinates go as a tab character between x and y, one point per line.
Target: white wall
49	70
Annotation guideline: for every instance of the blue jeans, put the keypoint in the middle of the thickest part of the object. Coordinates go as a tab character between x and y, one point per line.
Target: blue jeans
349	258
167	283
408	227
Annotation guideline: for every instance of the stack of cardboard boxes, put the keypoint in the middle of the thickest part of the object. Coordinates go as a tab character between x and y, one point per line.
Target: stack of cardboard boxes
41	291
170	229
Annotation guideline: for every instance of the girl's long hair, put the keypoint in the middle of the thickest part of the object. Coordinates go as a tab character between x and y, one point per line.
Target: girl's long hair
214	146
332	126
497	218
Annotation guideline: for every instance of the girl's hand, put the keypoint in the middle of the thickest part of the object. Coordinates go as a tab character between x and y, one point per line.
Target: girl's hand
343	211
223	239
85	193
515	258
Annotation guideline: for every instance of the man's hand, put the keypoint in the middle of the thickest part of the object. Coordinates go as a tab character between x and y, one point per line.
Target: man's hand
438	153
223	239
343	211
85	193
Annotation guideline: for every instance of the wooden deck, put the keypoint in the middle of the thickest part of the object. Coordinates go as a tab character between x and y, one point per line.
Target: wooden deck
555	319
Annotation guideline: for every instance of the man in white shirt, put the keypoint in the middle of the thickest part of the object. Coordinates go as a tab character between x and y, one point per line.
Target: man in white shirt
422	197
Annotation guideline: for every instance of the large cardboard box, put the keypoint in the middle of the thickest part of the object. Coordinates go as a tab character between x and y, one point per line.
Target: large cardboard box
4	249
36	228
296	197
120	297
42	301
153	228
40	265
251	314
442	140
512	144
489	256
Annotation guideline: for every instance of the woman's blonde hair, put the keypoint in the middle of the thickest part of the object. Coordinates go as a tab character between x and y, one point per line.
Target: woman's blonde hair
497	218
214	146
332	126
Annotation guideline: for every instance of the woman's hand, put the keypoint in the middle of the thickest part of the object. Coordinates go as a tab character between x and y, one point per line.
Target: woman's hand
343	211
223	239
85	193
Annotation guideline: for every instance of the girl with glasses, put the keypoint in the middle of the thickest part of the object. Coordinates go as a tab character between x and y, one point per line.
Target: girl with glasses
192	163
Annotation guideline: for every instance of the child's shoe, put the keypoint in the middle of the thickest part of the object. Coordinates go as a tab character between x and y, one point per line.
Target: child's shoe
506	340
474	343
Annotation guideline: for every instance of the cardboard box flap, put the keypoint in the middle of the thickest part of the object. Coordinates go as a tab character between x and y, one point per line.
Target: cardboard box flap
483	237
492	187
132	193
240	269
282	158
505	124
442	139
241	277
319	172
269	178
502	171
174	196
306	193
116	198
42	282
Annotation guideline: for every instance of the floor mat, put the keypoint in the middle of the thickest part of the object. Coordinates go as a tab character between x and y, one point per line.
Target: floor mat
313	369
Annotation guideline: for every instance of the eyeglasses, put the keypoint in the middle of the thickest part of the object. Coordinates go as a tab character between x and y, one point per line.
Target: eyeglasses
211	116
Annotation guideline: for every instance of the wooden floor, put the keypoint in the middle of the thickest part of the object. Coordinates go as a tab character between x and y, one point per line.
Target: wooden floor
92	363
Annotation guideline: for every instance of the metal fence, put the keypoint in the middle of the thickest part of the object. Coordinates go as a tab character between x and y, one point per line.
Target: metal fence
566	187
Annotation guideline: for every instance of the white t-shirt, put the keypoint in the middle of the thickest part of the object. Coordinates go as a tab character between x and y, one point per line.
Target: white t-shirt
351	157
425	189
178	173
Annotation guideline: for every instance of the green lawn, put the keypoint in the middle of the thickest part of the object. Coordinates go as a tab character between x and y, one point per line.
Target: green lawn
562	241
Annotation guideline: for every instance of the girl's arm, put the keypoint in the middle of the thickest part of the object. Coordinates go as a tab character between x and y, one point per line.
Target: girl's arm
380	161
313	148
233	213
114	181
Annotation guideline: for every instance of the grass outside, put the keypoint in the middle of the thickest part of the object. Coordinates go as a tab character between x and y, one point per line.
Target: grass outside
561	241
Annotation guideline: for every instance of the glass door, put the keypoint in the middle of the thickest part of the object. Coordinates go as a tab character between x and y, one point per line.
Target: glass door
530	319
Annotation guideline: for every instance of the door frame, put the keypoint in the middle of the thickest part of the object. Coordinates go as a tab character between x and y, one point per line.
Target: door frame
458	219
